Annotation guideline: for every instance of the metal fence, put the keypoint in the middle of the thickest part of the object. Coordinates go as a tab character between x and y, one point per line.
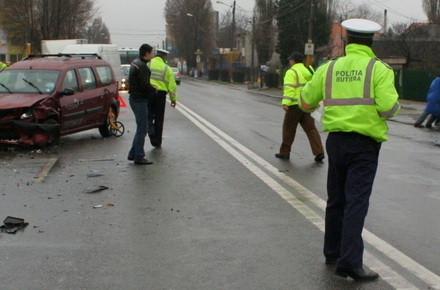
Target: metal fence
414	85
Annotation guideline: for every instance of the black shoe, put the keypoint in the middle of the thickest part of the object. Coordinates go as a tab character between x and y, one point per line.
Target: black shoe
418	125
358	274
153	140
143	161
319	157
428	126
281	156
130	158
330	261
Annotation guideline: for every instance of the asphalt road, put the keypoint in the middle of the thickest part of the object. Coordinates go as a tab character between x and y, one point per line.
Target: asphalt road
216	210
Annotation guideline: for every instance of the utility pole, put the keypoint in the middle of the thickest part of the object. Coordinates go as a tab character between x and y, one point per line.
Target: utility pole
231	53
309	47
253	42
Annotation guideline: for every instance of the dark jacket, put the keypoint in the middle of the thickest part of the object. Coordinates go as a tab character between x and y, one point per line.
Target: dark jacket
139	80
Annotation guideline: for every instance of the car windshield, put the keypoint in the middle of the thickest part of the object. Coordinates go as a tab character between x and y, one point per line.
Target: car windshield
28	81
125	70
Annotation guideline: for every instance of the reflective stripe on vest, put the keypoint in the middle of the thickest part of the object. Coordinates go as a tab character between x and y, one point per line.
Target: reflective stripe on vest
289	99
159	75
365	100
298	84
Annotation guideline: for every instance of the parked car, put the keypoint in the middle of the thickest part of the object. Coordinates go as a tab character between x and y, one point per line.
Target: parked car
44	97
177	75
125	71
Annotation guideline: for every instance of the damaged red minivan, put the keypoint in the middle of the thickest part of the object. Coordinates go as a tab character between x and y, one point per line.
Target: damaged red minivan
44	97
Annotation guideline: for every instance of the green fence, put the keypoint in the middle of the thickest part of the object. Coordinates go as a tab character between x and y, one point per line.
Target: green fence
414	85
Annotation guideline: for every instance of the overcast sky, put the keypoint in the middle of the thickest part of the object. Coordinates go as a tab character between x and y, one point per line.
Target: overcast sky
133	22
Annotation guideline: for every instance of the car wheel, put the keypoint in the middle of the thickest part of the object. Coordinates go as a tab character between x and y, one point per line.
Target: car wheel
104	129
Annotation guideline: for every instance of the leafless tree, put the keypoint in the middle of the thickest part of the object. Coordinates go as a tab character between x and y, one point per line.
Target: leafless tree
432	10
190	23
98	32
346	9
417	43
31	21
241	23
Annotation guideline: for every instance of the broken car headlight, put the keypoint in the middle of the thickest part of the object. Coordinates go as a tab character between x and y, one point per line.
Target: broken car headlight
26	115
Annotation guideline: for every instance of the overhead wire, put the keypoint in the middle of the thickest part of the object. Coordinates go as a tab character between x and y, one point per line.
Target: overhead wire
389	9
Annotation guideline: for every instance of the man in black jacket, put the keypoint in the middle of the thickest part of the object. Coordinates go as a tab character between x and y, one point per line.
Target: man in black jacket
140	89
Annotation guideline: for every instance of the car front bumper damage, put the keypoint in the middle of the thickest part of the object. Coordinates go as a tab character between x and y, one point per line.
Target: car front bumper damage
18	132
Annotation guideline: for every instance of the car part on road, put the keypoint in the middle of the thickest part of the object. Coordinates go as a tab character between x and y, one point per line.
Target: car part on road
13	224
96	188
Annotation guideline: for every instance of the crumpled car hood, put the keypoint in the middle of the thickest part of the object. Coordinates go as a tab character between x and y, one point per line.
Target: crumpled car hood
14	101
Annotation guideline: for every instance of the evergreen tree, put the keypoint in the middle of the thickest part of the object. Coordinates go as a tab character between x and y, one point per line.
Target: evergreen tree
264	29
293	25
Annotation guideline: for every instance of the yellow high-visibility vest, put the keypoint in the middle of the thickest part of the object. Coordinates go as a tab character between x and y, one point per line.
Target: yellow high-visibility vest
358	93
162	77
294	81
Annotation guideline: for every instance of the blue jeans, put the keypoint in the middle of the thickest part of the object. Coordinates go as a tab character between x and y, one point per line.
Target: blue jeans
422	118
140	110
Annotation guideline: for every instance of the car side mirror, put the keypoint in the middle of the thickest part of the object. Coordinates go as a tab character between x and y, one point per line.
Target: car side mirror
67	92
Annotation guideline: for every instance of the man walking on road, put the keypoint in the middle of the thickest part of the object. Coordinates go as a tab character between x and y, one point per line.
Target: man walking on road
294	81
163	78
359	95
140	91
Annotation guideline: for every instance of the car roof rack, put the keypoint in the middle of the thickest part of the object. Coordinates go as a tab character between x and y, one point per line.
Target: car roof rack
72	55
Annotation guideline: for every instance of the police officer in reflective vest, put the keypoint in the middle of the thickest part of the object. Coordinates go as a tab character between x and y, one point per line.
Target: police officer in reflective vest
359	95
162	78
294	81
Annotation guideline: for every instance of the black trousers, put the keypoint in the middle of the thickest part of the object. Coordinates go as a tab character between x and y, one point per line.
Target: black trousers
156	114
353	160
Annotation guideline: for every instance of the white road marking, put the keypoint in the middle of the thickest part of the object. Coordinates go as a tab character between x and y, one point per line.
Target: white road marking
387	274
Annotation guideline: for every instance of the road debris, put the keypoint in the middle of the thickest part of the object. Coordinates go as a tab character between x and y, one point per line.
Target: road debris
94	174
12	224
96	188
95	160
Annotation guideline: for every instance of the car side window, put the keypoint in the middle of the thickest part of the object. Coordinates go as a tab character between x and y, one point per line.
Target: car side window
88	79
70	81
105	75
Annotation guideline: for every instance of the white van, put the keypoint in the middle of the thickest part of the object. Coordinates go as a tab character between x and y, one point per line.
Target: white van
108	52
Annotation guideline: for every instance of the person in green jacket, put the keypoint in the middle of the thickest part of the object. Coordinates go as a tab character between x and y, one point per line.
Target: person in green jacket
359	95
294	81
162	78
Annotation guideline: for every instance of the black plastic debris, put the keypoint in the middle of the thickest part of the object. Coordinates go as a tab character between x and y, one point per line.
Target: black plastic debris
96	188
13	224
94	174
